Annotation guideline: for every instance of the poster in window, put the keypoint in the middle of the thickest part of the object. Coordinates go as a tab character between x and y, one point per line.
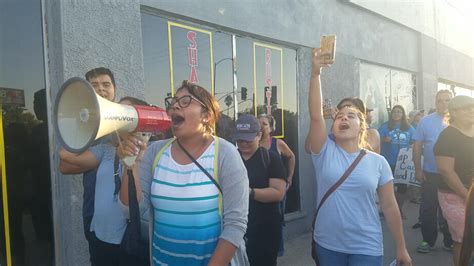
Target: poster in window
268	83
190	51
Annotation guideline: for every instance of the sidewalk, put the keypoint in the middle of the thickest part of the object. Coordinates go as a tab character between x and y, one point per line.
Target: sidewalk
297	250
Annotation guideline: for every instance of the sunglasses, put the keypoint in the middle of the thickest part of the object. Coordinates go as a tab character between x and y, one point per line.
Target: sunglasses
183	101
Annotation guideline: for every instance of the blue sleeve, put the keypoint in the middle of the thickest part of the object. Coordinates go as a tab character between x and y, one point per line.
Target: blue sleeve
98	151
385	172
419	132
383	130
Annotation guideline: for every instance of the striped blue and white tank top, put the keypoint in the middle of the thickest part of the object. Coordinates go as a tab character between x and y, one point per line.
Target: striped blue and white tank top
187	223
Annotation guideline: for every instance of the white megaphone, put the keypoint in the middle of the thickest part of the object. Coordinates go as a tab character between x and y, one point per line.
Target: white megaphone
81	116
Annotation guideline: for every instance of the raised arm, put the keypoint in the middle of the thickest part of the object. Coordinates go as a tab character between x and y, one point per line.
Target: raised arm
317	128
74	163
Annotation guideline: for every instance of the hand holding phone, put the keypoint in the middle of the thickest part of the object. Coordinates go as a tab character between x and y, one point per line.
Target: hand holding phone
328	47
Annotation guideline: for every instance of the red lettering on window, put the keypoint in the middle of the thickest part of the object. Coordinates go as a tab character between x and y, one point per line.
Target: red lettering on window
192	56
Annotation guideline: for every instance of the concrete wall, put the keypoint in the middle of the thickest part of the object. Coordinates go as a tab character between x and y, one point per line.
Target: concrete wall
441	62
359	32
82	35
445	21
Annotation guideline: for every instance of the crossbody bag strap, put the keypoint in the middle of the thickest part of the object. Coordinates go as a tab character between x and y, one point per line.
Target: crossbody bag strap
117	180
339	182
200	166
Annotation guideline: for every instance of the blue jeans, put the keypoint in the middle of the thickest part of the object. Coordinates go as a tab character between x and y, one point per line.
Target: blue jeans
333	258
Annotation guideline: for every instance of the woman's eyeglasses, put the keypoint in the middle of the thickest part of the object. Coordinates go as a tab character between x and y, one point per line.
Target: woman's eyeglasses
183	101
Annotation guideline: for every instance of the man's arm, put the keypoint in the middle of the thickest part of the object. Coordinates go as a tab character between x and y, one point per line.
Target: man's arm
417	148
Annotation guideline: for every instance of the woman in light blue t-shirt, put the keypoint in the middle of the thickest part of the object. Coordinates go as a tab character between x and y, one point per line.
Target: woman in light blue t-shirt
347	228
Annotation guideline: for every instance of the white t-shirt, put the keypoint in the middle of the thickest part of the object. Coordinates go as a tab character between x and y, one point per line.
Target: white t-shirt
349	221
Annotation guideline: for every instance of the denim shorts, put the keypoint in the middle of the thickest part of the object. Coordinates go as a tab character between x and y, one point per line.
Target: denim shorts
333	258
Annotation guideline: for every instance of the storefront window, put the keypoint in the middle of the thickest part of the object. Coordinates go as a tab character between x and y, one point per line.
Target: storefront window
265	75
26	209
456	89
382	88
156	59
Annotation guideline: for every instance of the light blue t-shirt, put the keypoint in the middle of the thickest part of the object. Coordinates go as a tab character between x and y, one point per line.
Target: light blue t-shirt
398	140
349	221
108	222
427	133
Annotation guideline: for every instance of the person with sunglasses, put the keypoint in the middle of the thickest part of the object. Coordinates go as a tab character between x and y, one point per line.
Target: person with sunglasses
108	222
194	184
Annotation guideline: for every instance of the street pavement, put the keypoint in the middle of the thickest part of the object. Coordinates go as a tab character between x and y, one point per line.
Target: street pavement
297	250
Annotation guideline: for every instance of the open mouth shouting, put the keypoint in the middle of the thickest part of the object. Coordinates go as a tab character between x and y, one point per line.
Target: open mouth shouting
176	120
343	126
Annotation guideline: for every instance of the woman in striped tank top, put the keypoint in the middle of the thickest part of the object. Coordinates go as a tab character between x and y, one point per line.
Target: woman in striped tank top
196	219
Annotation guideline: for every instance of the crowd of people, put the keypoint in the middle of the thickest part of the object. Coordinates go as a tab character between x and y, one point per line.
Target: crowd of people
203	200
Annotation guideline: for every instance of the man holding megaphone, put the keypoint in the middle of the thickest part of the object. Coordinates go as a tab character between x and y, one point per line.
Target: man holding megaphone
103	81
82	117
108	223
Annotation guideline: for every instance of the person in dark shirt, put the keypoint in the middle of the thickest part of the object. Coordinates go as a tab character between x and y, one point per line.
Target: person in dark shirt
267	187
454	153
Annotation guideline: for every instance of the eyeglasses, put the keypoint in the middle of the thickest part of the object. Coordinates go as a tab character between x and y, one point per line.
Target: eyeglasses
183	101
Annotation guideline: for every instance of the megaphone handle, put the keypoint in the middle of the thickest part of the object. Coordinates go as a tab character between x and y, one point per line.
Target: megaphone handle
142	136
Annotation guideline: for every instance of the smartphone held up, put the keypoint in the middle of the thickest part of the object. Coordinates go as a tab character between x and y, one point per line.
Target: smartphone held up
328	47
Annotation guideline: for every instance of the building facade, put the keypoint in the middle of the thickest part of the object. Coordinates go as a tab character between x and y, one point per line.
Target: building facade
254	56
